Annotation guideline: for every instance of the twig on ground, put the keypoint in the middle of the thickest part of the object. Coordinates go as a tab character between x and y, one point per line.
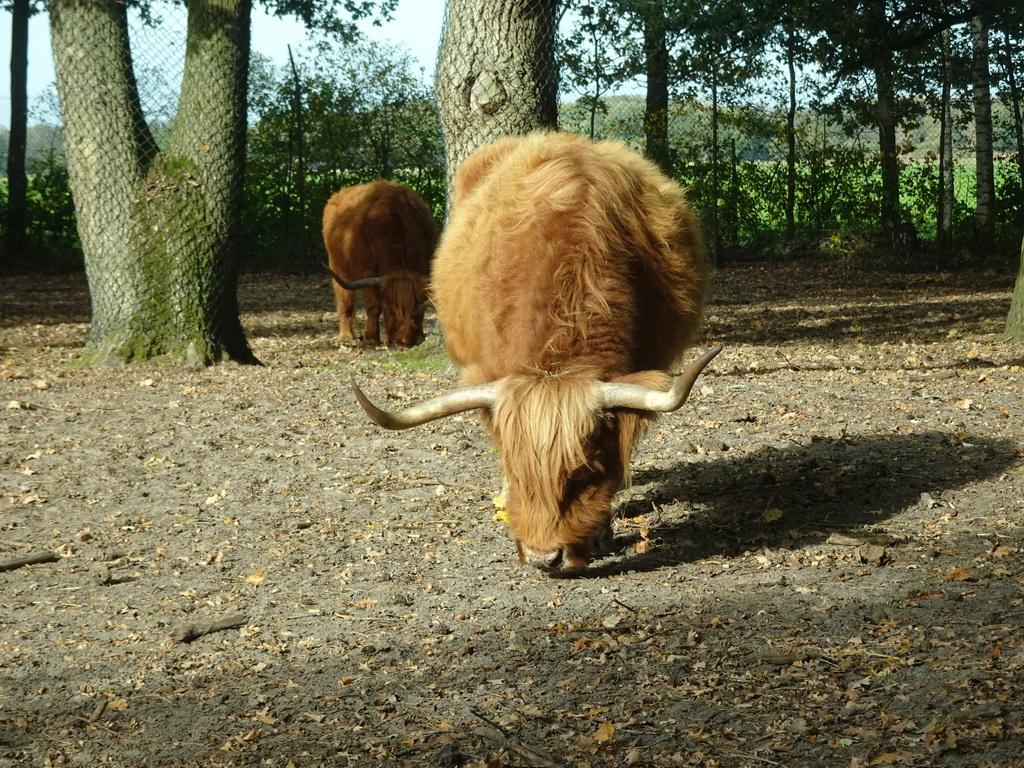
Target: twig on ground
418	482
527	754
623	605
33	559
193	630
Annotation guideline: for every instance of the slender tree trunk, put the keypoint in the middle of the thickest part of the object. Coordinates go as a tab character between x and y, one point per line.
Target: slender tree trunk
946	192
885	115
1015	98
984	215
496	72
656	107
17	180
732	234
791	135
598	72
161	231
716	183
296	150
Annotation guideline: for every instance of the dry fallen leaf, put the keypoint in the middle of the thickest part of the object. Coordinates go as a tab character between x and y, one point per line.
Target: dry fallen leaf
645	544
940	740
999	550
773	510
959	574
604	732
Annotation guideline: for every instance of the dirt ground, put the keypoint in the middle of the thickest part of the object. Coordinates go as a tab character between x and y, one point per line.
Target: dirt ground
824	562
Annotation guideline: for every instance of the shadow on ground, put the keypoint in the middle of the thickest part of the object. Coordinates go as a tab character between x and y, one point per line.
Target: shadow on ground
716	508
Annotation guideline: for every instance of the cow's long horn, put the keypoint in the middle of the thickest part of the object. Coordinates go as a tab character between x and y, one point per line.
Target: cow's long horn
464	399
638	397
355	285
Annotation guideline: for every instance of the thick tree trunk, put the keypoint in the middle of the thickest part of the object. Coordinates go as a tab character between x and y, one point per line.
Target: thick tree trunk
107	147
496	72
984	212
885	115
1015	318
656	145
160	230
17	181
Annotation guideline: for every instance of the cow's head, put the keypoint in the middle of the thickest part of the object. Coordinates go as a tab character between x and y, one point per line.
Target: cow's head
404	298
564	456
404	295
565	445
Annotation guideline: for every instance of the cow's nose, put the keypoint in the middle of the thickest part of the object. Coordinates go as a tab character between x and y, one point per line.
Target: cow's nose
546	561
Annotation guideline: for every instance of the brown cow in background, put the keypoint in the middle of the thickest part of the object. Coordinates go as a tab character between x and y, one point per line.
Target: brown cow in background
570	277
380	238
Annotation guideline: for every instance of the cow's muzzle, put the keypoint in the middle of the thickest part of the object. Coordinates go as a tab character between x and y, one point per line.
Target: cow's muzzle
549	562
568	557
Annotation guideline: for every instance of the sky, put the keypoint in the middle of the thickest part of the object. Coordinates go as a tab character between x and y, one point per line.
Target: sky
416	26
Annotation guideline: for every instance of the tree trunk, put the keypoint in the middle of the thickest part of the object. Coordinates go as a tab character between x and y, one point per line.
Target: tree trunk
595	102
714	241
295	214
885	115
946	191
791	133
1012	87
984	214
730	234
17	181
656	145
496	72
160	230
1015	318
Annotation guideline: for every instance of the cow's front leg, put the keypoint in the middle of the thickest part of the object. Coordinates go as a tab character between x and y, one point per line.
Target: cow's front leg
374	304
346	306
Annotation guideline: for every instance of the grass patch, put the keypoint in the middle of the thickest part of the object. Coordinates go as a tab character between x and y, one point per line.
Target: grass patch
428	357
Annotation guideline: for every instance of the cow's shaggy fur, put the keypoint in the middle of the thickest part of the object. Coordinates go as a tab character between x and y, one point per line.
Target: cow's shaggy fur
564	262
381	229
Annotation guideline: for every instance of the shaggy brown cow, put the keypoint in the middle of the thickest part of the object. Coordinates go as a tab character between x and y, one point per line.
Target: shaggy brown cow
380	238
571	275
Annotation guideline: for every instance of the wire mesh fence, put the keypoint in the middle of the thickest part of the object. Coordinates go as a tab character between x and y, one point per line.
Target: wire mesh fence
509	66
